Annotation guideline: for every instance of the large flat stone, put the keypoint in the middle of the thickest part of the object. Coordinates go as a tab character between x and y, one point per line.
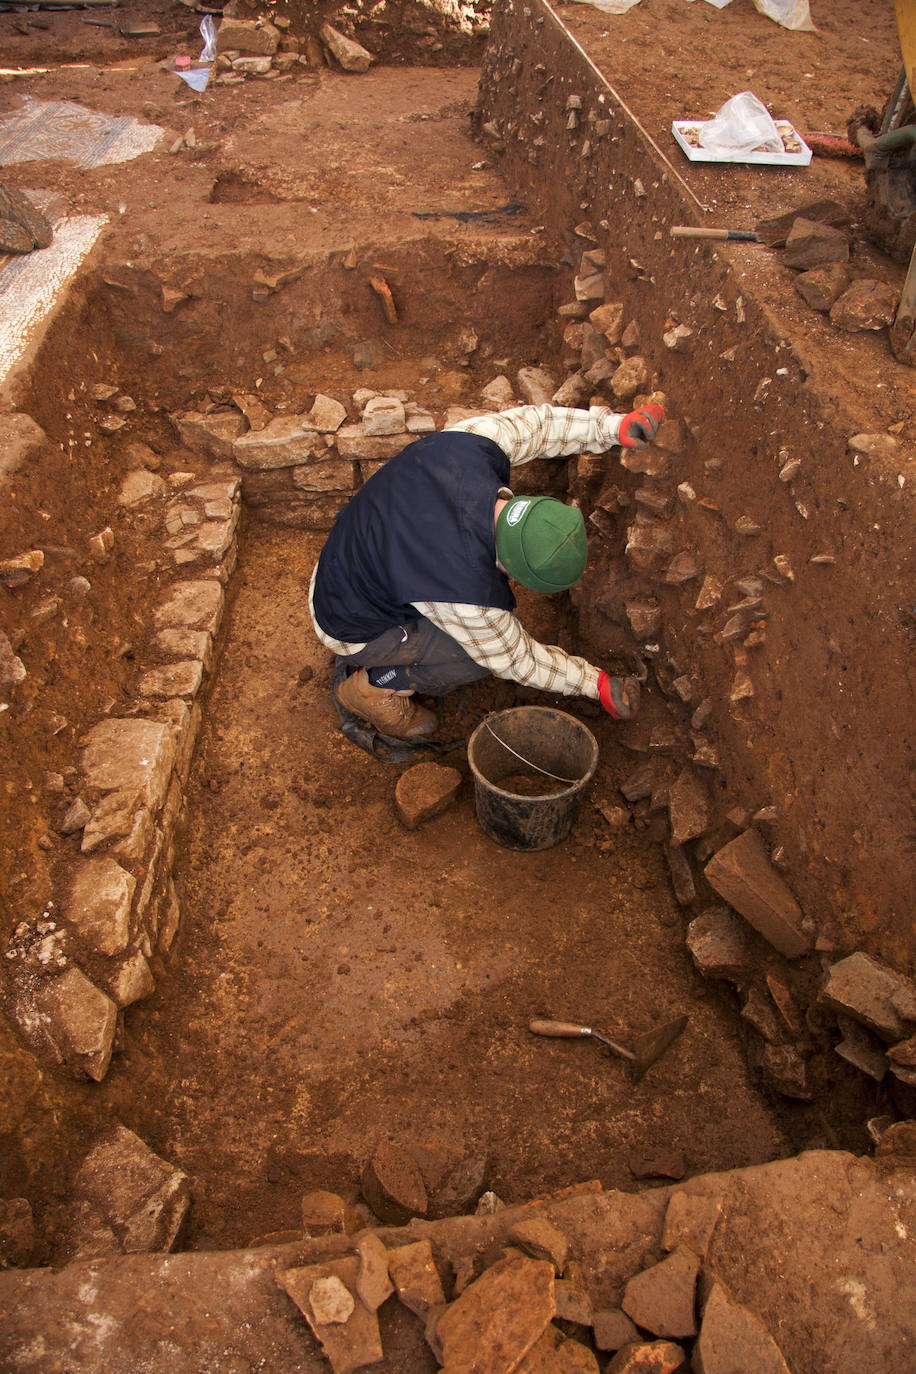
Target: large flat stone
126	1199
286	441
81	1022
196	604
99	904
868	991
133	756
733	1340
743	875
662	1299
496	1321
348	1344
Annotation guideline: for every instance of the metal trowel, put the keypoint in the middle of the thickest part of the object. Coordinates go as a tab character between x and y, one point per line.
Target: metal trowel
647	1048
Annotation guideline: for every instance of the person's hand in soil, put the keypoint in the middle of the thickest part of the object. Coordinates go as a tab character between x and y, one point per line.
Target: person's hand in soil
619	696
640	427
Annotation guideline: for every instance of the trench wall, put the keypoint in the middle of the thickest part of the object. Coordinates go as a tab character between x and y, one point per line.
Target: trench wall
808	731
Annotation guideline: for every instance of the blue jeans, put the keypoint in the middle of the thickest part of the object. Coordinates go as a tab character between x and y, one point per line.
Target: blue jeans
417	657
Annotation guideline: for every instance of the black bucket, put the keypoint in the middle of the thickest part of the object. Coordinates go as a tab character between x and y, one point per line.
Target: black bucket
530	742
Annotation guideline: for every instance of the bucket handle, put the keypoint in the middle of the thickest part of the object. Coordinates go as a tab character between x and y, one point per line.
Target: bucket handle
527	762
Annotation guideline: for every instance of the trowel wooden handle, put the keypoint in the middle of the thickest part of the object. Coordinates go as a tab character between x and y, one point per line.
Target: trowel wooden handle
564	1029
690	231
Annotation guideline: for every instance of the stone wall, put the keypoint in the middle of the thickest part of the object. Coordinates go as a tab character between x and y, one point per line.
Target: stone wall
752	556
75	965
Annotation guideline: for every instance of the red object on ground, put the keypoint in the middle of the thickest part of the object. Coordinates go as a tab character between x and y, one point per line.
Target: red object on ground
831	145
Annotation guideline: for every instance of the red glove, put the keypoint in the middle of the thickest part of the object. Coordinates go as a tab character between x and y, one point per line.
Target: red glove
619	696
640	427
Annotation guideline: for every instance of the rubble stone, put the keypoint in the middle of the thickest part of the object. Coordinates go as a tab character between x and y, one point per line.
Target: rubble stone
326	415
81	1022
325	474
348	1344
353	442
384	415
743	875
498	393
352	56
458	1191
536	385
860	1049
393	1186
555	1354
213	434
688	807
194	604
373	1284
649	1357
681	874
608	320
99	904
786	1072
631	376
129	1201
573	1302
542	1240
662	1299
810	244
866	304
16	571
415	1277
496	1321
648	546
733	1340
612	1329
132	981
425	791
645	618
285	442
868	991
719	945
821	286
246	36
172	680
873	445
12	669
326	1214
659	1163
330	1301
573	392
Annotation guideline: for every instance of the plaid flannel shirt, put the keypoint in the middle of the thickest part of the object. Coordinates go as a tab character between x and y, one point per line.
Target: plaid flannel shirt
494	638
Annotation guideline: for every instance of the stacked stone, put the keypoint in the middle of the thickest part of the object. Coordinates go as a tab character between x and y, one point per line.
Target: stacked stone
87	956
533	1294
299	470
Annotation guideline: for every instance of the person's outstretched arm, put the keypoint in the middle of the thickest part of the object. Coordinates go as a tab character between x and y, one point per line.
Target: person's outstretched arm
528	432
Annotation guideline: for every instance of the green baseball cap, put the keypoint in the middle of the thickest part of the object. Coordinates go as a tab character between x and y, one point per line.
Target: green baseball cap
541	543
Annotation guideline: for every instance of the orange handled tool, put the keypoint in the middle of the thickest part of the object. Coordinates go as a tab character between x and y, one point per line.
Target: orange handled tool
646	1049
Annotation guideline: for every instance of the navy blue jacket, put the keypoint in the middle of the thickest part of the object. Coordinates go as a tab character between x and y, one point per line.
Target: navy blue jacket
420	529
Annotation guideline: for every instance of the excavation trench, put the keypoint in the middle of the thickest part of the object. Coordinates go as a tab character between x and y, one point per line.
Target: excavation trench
337	979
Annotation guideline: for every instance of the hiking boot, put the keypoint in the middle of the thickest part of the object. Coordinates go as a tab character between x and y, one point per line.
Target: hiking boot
17	209
397	714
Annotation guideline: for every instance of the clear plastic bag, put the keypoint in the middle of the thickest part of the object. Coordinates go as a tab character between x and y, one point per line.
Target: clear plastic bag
791	14
208	34
742	125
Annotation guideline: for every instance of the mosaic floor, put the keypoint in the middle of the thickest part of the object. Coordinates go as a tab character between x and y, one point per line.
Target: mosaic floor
62	129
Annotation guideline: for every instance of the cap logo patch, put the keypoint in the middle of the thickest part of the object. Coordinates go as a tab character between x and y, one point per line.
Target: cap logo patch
516	511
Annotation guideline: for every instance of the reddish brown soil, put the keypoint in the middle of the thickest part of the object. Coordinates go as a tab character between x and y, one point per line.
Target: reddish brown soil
338	979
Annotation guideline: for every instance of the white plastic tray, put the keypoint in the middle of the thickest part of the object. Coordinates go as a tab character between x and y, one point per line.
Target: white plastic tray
797	153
